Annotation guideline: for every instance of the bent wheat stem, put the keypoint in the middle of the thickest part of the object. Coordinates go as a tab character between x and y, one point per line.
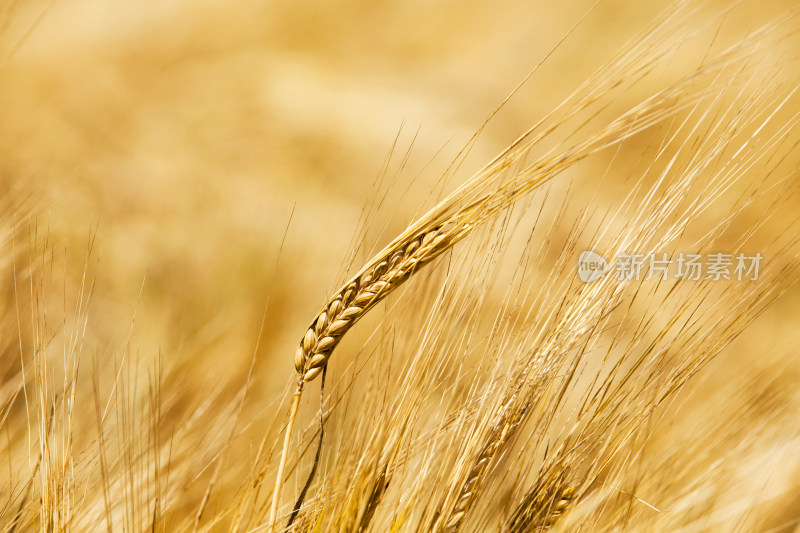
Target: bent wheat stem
276	495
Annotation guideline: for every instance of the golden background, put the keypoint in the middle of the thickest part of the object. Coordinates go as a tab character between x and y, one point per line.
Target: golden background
221	154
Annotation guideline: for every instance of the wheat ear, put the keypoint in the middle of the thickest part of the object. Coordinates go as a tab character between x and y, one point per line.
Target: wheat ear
507	423
364	291
542	507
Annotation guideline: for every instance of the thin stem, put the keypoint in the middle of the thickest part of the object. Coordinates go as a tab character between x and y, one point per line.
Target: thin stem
276	495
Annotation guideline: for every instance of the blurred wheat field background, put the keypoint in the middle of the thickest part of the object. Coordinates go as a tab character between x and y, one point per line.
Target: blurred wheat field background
184	184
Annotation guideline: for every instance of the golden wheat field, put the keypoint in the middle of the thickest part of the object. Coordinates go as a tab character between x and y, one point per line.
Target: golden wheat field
399	266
